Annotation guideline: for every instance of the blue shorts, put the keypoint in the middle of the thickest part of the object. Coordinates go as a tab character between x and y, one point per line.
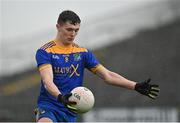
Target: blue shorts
54	115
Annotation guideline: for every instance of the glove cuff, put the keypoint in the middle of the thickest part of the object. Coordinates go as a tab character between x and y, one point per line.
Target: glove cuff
136	87
59	98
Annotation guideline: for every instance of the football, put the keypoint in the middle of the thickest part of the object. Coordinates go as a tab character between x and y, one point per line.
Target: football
84	99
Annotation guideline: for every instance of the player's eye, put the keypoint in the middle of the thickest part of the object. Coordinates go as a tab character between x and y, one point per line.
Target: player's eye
70	29
76	30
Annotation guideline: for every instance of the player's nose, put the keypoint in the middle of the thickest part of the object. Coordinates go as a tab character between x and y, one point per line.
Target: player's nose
73	33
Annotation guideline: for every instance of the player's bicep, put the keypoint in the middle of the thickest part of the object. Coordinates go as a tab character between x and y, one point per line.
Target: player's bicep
91	63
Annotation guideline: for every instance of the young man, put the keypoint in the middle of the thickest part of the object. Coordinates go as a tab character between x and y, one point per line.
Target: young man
61	64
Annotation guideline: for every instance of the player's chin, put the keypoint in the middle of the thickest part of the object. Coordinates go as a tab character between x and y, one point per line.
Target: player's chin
70	41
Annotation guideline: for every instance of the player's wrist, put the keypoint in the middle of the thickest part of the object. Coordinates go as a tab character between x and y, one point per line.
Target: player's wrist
137	85
60	98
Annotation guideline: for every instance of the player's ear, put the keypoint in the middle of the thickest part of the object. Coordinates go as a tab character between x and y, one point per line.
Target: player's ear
57	26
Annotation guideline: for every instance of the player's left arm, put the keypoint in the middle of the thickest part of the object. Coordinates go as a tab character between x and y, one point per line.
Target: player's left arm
113	78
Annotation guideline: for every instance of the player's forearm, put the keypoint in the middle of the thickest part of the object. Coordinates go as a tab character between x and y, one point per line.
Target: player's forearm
118	80
47	78
51	88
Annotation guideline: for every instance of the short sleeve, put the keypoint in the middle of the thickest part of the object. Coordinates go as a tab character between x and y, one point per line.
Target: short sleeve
42	58
91	63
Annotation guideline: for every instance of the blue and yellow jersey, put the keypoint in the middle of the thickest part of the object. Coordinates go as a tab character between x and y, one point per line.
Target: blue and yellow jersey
68	64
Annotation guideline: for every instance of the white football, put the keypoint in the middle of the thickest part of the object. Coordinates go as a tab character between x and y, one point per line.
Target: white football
84	99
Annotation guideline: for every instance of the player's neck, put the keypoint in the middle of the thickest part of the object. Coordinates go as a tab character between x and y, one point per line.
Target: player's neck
62	44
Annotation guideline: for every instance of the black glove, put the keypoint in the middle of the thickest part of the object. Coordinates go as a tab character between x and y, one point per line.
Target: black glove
147	89
64	99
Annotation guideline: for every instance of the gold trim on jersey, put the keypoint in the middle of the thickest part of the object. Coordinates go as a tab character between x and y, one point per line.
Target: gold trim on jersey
97	67
53	47
44	66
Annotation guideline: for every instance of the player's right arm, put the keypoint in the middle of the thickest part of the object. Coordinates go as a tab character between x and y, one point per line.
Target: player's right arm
44	62
46	72
47	78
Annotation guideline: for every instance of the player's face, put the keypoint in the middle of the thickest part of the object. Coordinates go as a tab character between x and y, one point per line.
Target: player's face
68	32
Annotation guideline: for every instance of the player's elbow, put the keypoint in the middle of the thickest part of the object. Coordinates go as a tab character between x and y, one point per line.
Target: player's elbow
106	75
108	79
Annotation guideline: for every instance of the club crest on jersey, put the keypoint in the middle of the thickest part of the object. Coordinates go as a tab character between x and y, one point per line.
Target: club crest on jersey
66	58
77	57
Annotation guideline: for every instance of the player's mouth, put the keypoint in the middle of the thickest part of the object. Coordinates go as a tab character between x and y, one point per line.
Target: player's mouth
70	39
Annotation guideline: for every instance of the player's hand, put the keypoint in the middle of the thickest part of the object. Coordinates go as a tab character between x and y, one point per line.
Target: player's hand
64	99
147	89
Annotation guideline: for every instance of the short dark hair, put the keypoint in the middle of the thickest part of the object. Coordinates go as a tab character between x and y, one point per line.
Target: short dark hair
68	16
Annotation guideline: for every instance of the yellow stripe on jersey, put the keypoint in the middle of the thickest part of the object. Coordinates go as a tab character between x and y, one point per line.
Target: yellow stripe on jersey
58	50
97	67
53	47
44	66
